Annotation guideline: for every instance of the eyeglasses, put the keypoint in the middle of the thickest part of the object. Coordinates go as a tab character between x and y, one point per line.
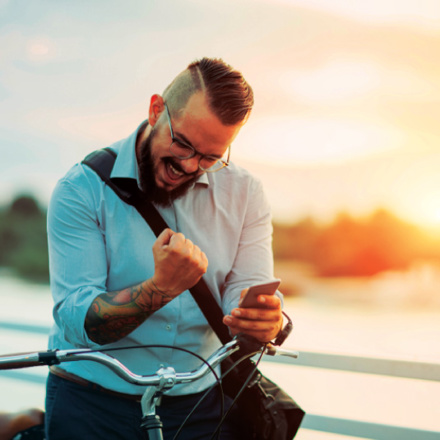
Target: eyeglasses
182	150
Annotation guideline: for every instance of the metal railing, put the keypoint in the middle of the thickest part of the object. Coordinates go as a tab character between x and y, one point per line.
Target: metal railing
368	365
359	364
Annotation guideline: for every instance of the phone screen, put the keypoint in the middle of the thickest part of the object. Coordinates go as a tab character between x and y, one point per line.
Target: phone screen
250	300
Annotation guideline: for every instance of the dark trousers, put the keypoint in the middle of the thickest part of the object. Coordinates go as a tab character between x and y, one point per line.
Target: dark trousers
75	412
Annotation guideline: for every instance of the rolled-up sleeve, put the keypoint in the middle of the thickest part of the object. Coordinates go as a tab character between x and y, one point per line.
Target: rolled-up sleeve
77	258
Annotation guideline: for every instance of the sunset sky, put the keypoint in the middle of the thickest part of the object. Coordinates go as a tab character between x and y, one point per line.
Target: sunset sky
347	92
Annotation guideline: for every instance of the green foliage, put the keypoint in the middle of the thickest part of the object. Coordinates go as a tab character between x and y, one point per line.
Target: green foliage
296	241
346	247
23	242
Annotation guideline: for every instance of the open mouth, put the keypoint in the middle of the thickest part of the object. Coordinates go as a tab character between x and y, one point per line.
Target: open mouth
174	173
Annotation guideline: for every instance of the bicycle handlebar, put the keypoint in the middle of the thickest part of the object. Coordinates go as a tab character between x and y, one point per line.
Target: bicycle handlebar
165	377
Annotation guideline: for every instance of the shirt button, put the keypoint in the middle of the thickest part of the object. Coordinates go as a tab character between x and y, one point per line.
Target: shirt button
168	327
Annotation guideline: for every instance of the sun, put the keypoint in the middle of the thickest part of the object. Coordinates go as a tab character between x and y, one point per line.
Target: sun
429	207
425	211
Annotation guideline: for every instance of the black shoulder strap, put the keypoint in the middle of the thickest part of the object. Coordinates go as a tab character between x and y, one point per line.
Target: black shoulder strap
102	161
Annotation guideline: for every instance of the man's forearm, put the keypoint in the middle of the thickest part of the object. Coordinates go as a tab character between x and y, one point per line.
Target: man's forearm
114	315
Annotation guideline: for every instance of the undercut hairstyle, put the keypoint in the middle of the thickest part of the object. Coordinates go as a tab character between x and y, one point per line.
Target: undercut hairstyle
229	95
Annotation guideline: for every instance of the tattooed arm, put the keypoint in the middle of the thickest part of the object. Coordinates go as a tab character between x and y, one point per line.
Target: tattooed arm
114	315
178	265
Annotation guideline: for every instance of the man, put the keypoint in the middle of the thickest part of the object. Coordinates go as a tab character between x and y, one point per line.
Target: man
116	285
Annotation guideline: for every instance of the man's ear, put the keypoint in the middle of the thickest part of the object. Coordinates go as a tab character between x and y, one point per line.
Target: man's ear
157	106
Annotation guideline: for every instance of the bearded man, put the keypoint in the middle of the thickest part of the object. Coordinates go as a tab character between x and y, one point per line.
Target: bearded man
115	284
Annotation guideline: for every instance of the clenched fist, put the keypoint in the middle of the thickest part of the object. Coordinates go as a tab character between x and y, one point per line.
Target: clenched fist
178	263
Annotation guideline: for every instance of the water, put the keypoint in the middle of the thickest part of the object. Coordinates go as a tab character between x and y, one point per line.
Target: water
360	317
395	314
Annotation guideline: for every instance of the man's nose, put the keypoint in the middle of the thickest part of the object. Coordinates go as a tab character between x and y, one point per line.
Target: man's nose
190	165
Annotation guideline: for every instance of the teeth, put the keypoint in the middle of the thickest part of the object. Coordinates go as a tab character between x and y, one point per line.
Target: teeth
178	173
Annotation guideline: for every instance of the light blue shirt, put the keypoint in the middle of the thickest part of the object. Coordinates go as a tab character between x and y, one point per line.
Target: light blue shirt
98	243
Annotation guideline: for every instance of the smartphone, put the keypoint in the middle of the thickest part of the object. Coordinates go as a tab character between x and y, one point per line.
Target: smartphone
250	300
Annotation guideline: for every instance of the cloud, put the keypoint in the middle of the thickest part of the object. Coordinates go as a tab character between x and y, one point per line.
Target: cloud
348	79
287	141
338	80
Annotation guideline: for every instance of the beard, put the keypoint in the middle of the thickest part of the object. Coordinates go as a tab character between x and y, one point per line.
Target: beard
147	173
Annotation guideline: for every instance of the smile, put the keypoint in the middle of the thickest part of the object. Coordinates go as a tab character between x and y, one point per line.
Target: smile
176	172
174	175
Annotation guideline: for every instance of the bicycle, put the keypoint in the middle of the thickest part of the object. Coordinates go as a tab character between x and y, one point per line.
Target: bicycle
164	379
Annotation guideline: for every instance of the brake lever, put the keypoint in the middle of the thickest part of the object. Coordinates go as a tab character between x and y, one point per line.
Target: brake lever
271	350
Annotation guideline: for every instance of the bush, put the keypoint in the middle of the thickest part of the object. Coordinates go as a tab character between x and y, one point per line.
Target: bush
23	239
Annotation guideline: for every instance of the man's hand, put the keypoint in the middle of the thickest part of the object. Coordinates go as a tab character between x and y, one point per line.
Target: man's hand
262	323
178	263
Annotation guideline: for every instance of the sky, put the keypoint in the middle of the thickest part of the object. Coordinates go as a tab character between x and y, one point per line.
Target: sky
347	93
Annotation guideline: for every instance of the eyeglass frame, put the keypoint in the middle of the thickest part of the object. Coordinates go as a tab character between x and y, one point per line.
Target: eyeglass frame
194	152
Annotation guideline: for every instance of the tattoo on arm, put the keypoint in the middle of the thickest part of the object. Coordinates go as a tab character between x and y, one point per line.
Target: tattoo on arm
114	315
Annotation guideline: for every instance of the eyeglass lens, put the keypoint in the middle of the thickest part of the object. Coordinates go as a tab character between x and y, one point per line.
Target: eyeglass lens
186	152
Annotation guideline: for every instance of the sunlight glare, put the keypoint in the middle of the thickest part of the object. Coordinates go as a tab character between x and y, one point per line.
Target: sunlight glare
418	195
39	49
429	213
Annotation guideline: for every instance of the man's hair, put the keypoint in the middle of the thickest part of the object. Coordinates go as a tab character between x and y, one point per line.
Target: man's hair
228	94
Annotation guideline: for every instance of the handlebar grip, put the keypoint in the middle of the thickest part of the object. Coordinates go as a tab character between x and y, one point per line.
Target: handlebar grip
19	360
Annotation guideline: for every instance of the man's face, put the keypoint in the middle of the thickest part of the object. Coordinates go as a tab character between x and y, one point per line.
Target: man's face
148	170
163	176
